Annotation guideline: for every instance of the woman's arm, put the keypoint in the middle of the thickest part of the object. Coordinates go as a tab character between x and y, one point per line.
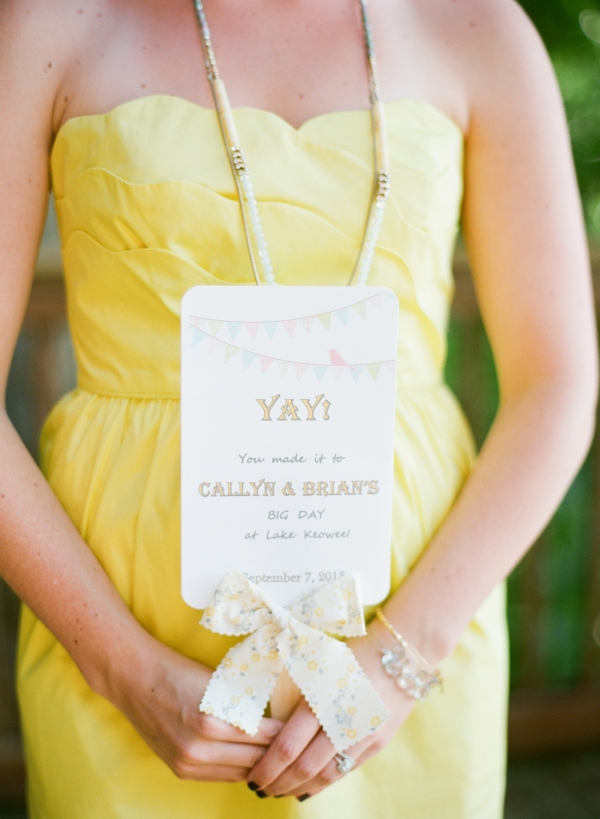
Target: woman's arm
527	247
42	555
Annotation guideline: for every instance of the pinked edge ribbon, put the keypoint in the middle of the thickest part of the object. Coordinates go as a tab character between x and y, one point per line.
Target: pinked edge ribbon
325	670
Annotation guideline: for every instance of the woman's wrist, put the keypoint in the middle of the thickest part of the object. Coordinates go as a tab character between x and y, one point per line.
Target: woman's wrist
111	668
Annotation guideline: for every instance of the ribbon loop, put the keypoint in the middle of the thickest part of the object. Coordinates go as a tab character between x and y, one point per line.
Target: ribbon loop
324	669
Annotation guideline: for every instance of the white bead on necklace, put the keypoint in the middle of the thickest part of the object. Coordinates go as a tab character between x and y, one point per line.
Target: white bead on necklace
255	237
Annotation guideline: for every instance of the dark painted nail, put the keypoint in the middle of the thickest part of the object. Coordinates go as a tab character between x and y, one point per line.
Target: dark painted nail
280	796
253	786
303	797
261	794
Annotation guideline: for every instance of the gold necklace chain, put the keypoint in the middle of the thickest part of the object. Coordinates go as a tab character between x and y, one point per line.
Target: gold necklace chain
255	238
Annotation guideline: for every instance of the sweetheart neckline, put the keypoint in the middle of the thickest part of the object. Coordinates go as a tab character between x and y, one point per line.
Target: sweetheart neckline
263	111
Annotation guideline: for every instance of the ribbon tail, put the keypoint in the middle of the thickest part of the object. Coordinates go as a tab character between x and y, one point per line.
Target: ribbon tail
334	685
239	689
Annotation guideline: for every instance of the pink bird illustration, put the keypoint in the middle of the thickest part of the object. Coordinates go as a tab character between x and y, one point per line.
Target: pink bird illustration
336	359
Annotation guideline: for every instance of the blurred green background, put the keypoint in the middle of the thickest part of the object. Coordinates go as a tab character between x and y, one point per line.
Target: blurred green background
571	31
555	633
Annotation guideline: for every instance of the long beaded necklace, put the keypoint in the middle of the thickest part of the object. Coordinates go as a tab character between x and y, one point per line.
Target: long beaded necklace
255	237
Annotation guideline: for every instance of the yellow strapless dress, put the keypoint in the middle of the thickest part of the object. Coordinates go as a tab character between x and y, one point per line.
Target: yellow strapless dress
147	209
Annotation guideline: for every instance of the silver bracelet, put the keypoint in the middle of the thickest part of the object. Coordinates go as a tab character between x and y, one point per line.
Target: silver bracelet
410	671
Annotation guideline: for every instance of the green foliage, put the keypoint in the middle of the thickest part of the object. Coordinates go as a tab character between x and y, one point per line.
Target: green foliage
558	21
571	32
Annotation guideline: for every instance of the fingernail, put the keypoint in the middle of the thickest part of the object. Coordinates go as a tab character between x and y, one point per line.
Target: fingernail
280	796
253	786
261	794
303	797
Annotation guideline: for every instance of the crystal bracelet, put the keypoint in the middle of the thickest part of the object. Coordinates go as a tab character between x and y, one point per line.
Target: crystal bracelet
410	671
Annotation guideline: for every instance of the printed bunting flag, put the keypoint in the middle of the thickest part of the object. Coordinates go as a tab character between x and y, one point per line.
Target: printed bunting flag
248	358
361	308
234	328
197	336
307	323
336	367
283	367
325	319
373	369
319	370
301	369
265	363
290	326
215	326
230	352
342	314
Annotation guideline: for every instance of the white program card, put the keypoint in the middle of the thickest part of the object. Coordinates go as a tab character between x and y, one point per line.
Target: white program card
287	429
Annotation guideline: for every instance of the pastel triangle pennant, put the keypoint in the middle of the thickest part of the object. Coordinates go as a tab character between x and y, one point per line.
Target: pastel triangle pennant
283	367
325	319
290	325
248	358
319	370
214	344
377	301
234	328
361	308
307	323
265	363
197	336
374	369
300	369
270	327
230	352
356	370
252	327
215	326
337	372
342	314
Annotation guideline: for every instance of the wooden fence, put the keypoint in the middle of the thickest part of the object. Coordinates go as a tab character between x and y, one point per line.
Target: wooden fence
554	595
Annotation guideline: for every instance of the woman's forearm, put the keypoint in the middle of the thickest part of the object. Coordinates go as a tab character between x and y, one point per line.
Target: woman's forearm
533	451
45	560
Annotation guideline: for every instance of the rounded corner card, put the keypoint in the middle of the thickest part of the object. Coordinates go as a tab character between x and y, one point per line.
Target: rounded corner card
287	434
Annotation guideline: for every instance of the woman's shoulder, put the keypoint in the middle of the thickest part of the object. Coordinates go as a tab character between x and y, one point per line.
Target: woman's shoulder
40	42
467	23
491	47
43	26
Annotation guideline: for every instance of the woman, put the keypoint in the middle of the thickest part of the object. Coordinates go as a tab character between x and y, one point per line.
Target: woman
112	663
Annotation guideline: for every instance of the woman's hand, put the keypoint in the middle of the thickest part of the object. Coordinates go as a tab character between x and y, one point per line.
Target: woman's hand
300	761
160	693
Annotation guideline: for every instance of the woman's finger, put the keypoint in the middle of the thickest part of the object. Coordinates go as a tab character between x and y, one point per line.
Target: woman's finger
211	773
312	763
213	728
326	777
330	774
233	754
287	746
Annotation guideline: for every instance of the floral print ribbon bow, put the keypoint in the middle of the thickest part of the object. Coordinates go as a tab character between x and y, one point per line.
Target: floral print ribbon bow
324	669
